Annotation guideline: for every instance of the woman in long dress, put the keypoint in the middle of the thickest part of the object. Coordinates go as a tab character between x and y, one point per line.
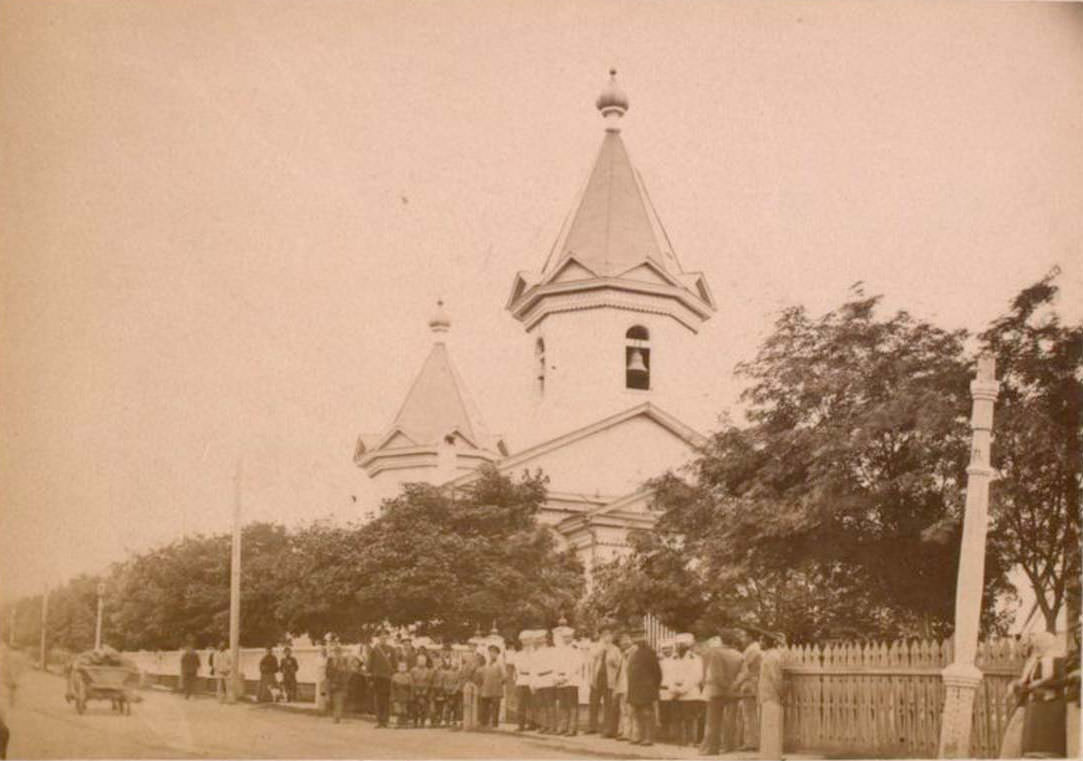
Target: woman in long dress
1033	727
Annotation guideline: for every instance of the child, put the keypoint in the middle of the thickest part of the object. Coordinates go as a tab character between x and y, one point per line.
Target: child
401	695
421	679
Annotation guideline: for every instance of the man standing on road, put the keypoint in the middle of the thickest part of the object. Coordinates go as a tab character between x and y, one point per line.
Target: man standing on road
268	667
189	669
289	667
690	701
770	696
748	682
522	662
381	665
604	667
545	683
338	680
491	689
567	662
223	666
721	664
644	681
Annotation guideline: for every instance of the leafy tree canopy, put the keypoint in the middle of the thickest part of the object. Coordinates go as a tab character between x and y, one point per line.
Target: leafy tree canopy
836	509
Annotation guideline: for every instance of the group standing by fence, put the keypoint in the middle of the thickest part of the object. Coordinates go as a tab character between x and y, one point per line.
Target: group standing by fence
720	693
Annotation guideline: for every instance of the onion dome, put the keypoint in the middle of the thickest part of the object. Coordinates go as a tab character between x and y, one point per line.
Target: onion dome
440	322
612	101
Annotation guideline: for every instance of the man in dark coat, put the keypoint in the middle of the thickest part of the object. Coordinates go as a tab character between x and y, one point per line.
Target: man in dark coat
644	679
268	667
721	666
382	664
289	666
189	668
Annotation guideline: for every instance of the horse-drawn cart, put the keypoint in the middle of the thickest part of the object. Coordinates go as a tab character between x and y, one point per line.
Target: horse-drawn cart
101	676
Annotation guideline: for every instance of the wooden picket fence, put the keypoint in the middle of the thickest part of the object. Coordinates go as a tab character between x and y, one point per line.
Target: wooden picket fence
885	699
656	630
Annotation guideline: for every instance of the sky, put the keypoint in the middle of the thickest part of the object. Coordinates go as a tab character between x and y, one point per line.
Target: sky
223	225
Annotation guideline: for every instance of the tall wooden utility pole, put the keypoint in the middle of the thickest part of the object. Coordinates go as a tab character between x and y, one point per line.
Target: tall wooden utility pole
98	626
44	625
236	682
962	677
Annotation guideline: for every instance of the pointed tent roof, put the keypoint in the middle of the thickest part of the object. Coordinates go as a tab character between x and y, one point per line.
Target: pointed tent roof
437	405
614	226
614	234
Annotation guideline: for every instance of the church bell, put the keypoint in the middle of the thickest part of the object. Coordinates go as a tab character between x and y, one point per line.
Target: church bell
635	362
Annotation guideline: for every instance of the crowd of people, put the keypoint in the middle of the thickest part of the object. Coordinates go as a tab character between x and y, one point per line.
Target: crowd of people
712	692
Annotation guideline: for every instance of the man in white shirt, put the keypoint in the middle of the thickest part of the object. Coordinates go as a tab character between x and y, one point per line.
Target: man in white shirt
522	660
543	682
692	705
567	662
668	716
223	667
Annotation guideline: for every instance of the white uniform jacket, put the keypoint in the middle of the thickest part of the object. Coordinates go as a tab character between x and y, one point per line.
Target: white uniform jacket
691	674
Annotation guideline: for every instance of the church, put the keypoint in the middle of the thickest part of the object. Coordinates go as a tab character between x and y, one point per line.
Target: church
604	318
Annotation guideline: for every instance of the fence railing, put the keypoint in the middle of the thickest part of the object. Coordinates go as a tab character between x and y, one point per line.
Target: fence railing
885	699
656	630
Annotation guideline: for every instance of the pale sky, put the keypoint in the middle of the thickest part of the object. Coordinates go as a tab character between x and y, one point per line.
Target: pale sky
223	225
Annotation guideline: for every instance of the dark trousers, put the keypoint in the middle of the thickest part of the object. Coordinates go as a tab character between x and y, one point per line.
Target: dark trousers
545	700
523	701
643	723
489	712
381	693
453	708
338	702
667	719
567	710
289	684
601	704
5	735
263	694
720	734
690	714
188	685
419	709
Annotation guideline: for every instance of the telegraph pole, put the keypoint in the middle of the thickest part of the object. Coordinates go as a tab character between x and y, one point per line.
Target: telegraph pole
962	677
236	682
98	627
44	625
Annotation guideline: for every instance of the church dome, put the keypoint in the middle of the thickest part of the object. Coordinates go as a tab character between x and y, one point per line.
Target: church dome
612	97
440	322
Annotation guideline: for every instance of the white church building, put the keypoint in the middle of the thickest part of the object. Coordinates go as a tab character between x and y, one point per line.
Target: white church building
604	317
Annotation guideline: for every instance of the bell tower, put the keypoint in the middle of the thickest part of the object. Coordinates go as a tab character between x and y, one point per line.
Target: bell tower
611	317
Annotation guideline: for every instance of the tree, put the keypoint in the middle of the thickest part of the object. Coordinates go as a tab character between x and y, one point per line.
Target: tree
838	506
1038	445
160	598
451	561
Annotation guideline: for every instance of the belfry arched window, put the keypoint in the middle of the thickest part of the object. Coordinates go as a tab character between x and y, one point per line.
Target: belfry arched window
539	364
637	358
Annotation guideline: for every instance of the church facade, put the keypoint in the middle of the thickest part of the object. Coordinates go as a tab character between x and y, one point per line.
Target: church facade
603	317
